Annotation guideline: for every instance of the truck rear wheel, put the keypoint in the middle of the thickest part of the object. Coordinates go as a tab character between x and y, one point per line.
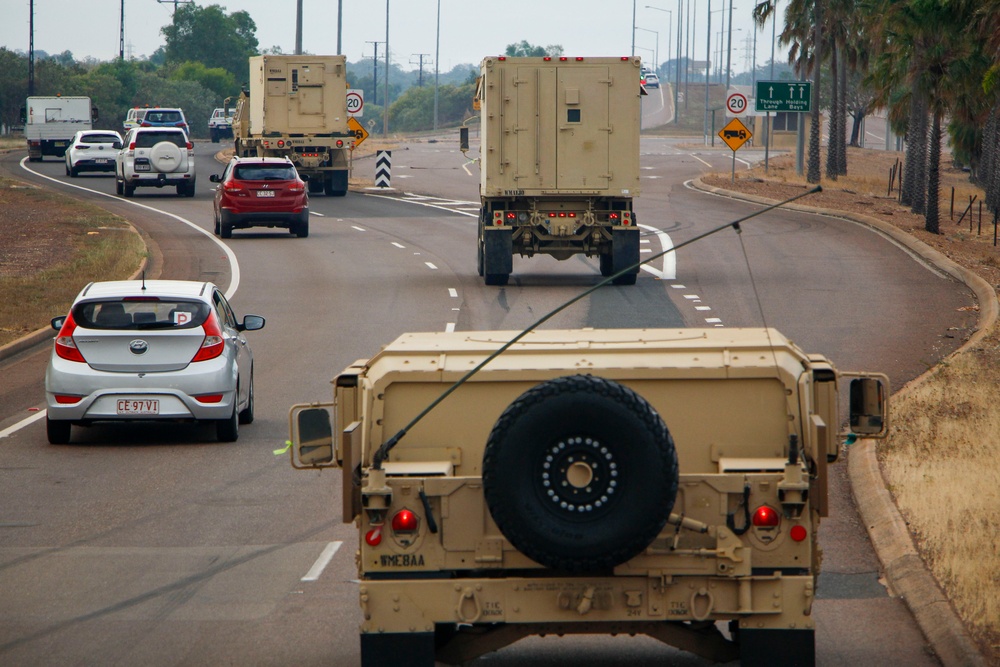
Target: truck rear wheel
580	473
498	256
335	184
624	253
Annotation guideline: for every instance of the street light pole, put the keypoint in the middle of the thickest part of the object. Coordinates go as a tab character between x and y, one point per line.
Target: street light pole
708	63
385	97
437	60
729	47
656	51
633	28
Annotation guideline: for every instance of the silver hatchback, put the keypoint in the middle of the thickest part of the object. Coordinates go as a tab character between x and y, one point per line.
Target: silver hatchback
150	350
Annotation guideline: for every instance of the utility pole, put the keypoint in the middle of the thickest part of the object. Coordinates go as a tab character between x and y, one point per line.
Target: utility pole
375	73
420	76
437	59
31	48
121	36
385	98
175	3
298	27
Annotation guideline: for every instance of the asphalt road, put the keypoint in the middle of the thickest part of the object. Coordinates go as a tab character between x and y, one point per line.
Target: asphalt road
164	547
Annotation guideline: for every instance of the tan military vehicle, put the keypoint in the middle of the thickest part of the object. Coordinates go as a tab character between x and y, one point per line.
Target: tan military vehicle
296	107
559	162
665	482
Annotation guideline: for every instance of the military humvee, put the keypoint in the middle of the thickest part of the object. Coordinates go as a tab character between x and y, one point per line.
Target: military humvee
665	482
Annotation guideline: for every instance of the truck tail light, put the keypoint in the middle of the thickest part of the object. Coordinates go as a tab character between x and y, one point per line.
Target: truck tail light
405	521
798	532
626	218
65	345
340	143
213	344
766	517
373	537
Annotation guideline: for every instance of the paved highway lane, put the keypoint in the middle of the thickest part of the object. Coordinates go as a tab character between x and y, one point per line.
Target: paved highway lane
166	547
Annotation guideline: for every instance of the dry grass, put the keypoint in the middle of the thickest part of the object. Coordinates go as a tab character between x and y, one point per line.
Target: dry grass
939	460
51	247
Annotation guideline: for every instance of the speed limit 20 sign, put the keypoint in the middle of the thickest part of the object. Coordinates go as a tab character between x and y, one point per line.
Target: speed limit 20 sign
736	104
355	103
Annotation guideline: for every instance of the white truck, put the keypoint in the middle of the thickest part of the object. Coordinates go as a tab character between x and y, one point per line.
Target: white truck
559	162
296	107
220	124
51	121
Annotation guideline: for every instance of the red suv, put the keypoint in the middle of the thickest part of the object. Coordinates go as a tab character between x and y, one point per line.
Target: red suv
260	192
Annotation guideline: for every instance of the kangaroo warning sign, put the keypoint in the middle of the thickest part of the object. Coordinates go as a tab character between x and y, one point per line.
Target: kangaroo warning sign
735	134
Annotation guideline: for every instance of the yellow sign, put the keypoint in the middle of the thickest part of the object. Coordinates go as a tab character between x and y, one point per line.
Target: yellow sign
735	134
360	133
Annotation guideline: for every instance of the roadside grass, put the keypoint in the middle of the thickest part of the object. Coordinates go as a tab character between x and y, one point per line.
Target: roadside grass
939	460
54	246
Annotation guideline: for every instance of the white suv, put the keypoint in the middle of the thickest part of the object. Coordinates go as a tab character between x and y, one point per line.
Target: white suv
155	157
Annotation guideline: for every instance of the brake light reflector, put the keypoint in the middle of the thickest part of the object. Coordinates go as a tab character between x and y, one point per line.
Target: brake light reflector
213	344
209	398
65	345
65	399
798	532
405	521
766	517
374	536
340	143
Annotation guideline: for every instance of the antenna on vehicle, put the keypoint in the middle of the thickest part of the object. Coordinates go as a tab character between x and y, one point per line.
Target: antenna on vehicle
144	280
382	452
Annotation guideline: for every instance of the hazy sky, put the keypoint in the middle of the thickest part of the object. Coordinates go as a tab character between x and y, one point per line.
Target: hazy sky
470	29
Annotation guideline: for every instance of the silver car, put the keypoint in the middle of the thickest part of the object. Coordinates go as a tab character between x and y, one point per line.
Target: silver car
150	350
92	150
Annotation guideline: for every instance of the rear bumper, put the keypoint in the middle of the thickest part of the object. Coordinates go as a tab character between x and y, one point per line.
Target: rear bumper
92	165
155	180
265	218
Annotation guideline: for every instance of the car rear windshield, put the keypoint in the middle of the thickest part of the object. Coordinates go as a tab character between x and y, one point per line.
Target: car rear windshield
150	139
165	117
265	172
99	139
140	313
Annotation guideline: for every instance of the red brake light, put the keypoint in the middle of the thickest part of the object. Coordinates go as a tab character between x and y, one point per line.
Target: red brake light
766	517
213	344
209	398
65	345
190	146
798	532
405	521
297	187
374	536
66	399
131	146
340	143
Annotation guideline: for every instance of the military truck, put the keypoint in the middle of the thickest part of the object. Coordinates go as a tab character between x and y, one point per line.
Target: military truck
559	162
665	482
50	122
296	107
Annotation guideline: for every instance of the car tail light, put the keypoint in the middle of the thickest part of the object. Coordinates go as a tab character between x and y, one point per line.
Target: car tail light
66	399
297	187
231	188
65	345
405	521
145	124
190	146
798	532
766	517
213	344
131	146
209	398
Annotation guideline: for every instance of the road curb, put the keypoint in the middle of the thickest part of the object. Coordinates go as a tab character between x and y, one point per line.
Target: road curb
905	572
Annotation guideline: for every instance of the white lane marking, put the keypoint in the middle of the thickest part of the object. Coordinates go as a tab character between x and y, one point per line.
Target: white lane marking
234	265
452	292
679	286
21	424
669	270
316	213
432	205
692	296
713	320
399	245
360	229
700	160
450	327
431	266
324	559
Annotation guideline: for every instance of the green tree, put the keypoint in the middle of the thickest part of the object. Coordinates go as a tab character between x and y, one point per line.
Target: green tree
209	36
524	49
215	79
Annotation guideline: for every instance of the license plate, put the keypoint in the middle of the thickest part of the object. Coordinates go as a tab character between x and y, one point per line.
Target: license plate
102	160
59	143
265	193
138	406
142	167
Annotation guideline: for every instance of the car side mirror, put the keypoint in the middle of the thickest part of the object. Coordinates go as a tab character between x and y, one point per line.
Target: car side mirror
312	437
252	323
215	178
868	413
58	322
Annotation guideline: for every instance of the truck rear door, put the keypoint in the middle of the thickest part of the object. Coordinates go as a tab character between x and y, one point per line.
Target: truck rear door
583	127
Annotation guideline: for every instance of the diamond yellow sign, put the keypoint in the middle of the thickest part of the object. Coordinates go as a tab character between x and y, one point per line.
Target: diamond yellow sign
360	133
735	134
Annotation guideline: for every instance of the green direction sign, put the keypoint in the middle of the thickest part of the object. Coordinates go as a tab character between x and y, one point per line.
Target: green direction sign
795	96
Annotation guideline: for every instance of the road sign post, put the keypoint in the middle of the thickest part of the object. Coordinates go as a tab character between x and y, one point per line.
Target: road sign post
736	104
356	103
790	96
735	134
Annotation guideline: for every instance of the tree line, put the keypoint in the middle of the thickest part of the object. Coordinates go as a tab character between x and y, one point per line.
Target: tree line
934	65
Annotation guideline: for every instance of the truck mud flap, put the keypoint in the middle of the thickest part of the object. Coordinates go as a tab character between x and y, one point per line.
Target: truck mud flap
335	183
777	647
624	253
498	255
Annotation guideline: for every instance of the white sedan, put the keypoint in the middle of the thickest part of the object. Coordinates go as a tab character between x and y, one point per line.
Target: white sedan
92	150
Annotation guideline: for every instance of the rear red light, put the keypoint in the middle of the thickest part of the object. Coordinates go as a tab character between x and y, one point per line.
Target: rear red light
798	533
563	59
511	215
131	146
405	521
627	218
612	216
64	399
579	59
374	536
766	517
297	187
190	146
65	345
209	398
145	124
213	344
547	58
340	143
144	299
